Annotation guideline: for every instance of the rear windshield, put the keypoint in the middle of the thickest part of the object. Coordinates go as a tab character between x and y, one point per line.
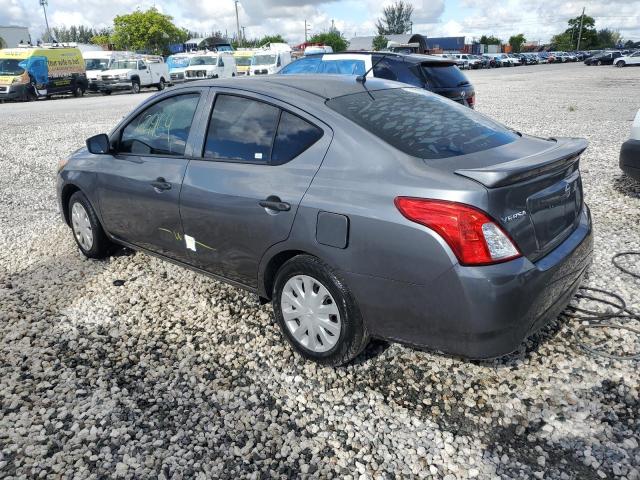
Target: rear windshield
444	76
422	124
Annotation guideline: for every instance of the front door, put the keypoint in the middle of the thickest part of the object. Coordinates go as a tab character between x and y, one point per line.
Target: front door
240	198
139	186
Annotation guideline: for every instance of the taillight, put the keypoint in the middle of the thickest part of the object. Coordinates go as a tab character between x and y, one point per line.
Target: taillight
472	235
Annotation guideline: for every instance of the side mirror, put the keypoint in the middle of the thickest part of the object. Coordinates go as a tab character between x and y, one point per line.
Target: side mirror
98	144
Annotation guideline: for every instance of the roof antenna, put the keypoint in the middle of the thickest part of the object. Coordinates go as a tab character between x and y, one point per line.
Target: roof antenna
363	78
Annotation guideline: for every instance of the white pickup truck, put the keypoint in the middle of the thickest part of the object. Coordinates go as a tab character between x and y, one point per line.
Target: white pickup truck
134	74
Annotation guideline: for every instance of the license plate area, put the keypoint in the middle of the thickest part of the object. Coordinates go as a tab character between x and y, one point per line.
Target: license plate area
555	211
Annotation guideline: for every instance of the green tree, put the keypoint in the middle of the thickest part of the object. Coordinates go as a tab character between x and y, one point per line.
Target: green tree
589	38
78	34
380	42
396	19
277	38
608	38
516	42
490	40
334	39
148	31
562	42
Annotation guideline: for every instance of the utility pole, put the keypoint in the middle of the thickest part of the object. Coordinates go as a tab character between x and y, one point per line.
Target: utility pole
307	27
238	23
580	32
244	36
46	21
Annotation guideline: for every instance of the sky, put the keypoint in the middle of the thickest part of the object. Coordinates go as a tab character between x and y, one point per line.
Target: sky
537	19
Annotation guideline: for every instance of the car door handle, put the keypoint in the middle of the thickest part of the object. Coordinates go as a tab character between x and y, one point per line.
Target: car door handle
161	184
274	203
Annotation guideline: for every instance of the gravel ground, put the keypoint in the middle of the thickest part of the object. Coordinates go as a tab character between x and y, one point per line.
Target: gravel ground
173	375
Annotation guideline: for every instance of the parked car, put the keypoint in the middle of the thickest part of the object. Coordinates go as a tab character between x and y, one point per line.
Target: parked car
492	61
437	74
271	59
216	64
466	61
243	60
177	65
97	61
133	74
606	58
631	59
514	59
29	73
630	151
359	209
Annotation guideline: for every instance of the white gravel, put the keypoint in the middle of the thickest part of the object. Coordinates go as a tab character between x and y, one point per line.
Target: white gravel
173	375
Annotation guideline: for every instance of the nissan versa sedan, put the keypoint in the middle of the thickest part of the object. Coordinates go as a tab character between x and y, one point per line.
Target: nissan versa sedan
359	209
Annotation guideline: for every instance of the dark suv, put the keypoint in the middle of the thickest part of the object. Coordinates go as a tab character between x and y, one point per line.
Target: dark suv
436	74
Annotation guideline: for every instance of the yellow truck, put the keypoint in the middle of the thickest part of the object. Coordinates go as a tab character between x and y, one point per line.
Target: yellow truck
28	73
243	61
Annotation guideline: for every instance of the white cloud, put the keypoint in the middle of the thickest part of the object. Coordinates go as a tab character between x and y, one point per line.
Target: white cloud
537	20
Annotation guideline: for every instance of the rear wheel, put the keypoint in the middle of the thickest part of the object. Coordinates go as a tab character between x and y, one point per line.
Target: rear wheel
317	313
106	92
87	231
599	62
135	86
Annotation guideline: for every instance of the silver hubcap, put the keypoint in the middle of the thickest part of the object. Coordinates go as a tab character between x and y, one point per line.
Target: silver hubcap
310	313
81	226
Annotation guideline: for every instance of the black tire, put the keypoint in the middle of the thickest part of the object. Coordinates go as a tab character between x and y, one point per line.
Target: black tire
599	63
101	247
620	64
162	84
78	91
353	336
135	87
30	94
106	92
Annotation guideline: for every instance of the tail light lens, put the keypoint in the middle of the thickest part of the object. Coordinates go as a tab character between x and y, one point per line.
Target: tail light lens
471	101
472	235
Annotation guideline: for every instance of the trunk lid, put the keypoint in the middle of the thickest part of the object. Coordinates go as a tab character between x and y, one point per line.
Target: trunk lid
537	198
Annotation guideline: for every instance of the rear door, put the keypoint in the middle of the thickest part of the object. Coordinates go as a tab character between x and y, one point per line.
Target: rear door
257	159
139	185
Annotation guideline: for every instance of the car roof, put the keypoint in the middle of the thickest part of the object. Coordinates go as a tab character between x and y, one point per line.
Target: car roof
407	57
321	87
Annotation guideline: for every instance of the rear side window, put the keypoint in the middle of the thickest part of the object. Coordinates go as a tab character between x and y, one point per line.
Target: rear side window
342	67
161	129
422	124
444	76
294	136
383	69
304	65
241	129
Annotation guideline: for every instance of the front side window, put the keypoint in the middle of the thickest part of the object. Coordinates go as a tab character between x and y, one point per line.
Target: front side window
241	129
383	70
422	124
202	60
161	129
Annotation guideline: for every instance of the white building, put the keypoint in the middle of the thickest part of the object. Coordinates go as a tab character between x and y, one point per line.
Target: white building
12	36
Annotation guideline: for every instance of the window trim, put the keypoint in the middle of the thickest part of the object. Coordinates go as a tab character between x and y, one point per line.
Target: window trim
116	138
281	109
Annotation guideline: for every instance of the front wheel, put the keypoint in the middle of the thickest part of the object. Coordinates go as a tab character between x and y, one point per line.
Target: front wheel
620	64
317	313
162	84
135	87
78	91
87	231
599	63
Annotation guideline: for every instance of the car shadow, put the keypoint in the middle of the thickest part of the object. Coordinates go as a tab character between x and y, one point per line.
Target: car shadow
627	186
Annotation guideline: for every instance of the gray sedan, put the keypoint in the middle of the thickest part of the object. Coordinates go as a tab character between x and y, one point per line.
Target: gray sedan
361	210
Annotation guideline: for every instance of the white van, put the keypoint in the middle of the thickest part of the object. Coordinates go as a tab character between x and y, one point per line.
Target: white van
268	62
97	61
211	65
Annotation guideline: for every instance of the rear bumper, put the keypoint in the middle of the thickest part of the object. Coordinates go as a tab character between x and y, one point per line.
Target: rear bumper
478	312
630	158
